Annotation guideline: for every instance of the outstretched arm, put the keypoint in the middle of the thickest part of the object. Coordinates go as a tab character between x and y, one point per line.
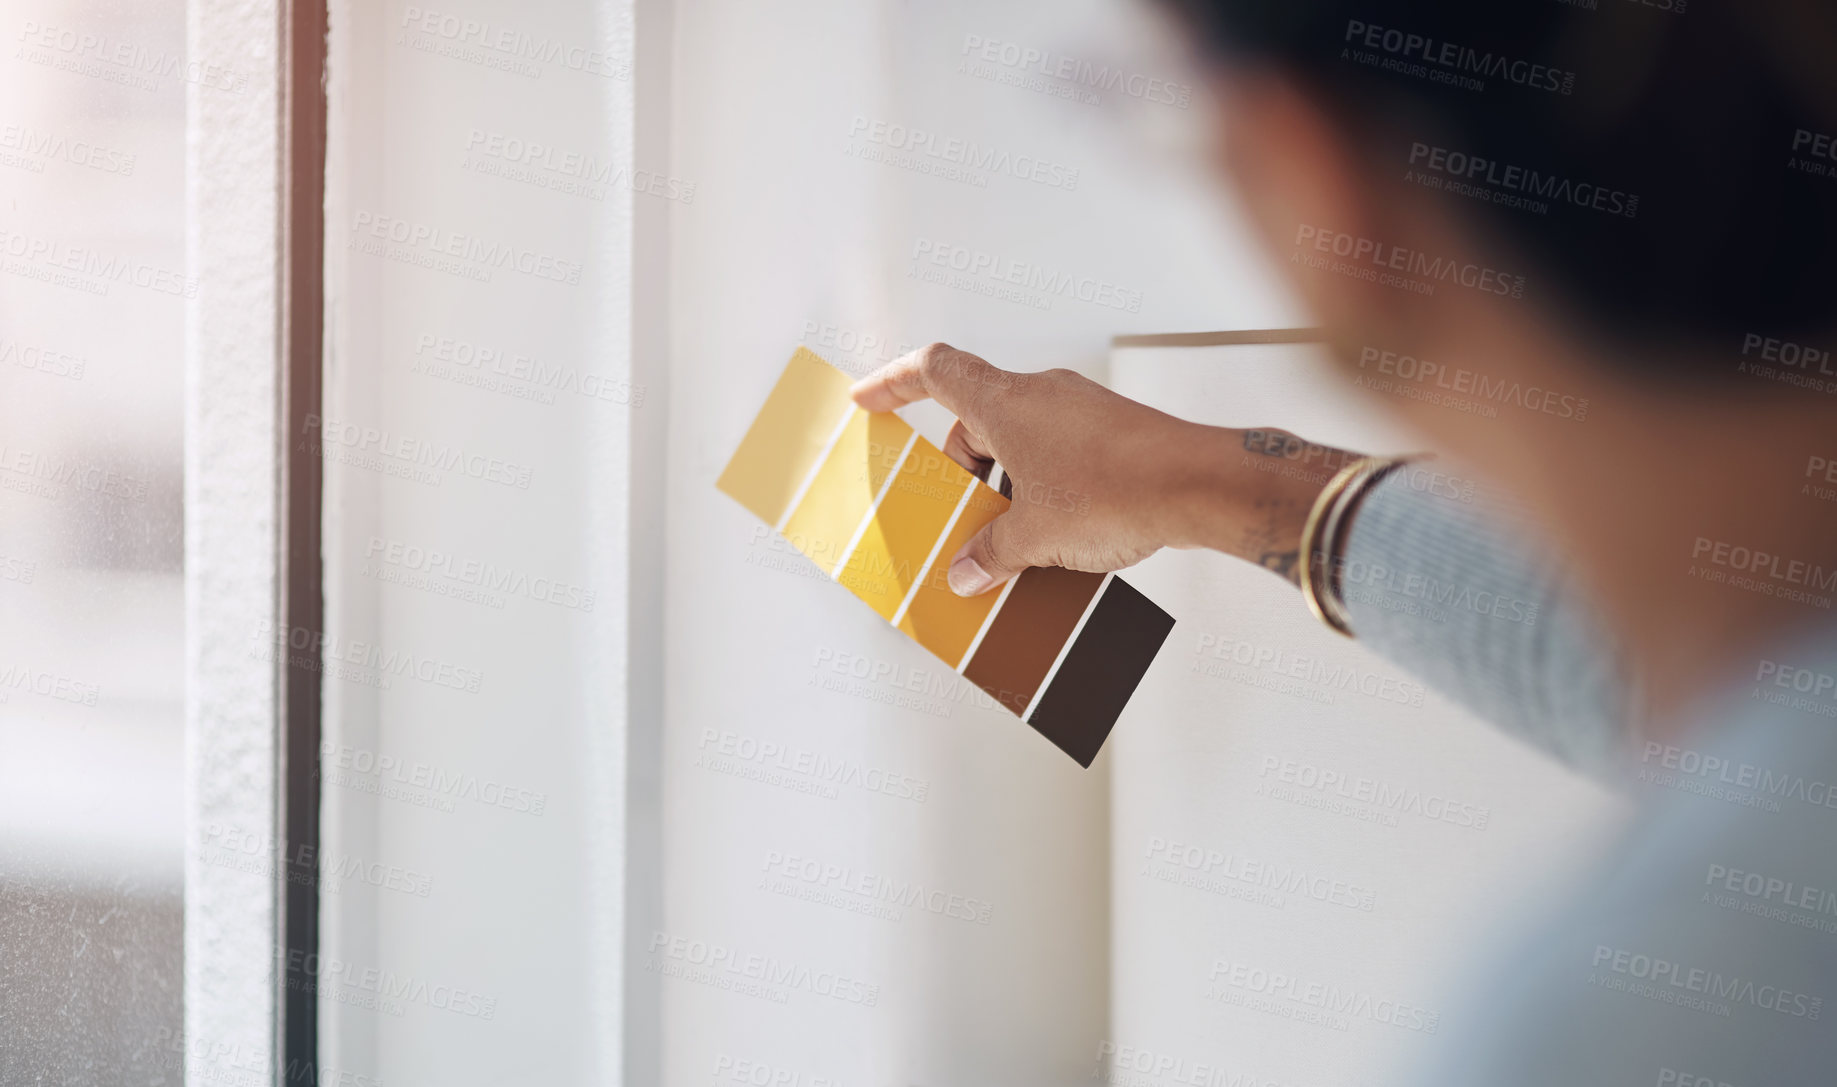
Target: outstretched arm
1462	592
1452	590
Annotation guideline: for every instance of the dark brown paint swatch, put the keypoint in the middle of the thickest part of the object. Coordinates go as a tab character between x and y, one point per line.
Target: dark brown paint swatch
1101	670
1028	632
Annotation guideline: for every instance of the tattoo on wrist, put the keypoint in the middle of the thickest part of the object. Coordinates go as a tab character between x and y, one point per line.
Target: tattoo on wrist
1272	539
1281	445
1285	564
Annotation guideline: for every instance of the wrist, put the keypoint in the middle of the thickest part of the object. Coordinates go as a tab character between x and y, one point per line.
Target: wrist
1249	493
1222	491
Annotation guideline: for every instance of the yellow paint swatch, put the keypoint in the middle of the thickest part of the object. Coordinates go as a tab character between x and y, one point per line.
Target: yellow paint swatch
851	476
905	527
939	619
785	440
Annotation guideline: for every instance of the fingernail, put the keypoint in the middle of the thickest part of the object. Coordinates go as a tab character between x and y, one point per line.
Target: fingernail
967	578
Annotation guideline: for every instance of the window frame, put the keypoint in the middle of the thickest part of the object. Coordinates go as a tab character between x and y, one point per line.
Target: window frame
254	329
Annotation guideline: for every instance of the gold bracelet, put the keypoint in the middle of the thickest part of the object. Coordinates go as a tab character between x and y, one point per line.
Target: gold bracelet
1328	499
1332	511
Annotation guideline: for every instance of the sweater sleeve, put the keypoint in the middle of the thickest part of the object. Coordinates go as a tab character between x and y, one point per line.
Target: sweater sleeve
1457	590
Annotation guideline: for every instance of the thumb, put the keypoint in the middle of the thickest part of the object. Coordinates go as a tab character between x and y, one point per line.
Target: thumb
992	556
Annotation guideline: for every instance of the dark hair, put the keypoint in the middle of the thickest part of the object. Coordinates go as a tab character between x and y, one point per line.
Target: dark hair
1684	151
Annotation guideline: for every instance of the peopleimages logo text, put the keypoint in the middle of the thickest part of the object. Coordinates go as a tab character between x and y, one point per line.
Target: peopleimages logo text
1456	58
1795	356
1519	179
430	241
957	151
1706	983
1048	281
1459	379
1771	889
407	448
1362	252
510	42
1083	73
723	963
1743	775
1403	799
1765	564
1329	998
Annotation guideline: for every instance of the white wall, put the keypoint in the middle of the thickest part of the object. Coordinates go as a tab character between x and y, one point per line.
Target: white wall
491	954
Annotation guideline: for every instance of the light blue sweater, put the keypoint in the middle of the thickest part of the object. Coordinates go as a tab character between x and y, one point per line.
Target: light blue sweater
1703	951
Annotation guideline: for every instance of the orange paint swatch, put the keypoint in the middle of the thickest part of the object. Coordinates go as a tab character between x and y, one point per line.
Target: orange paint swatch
939	619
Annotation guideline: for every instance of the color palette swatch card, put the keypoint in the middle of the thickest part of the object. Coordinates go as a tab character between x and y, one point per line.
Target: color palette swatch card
883	511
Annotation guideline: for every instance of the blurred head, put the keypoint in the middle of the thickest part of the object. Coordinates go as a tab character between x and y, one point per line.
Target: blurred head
1502	209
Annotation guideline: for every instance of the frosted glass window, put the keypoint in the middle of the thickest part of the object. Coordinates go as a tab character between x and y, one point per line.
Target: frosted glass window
92	304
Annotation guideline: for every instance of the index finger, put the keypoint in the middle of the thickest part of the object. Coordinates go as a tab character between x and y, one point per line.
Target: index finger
956	379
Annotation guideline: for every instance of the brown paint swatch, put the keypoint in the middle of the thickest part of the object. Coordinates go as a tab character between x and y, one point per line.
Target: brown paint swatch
1028	632
1100	671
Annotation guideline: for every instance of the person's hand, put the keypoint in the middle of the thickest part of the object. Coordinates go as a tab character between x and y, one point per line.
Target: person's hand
1100	482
